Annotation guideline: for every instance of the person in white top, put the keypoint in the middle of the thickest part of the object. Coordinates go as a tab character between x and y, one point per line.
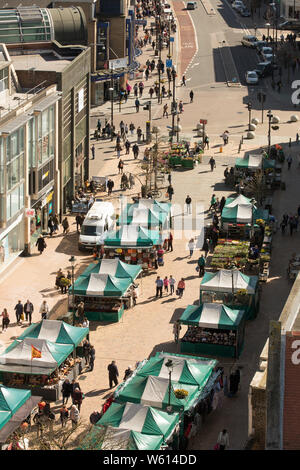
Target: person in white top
74	415
44	310
172	283
191	246
223	440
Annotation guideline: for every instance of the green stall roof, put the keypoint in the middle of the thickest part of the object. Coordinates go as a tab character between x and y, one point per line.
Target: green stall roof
55	331
210	315
115	268
221	281
11	399
132	236
101	285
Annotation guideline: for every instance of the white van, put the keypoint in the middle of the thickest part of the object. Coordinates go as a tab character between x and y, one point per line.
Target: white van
249	41
100	218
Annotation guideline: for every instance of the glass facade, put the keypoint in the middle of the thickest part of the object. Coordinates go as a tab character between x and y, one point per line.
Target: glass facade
25	24
12	244
4	79
15	173
45	147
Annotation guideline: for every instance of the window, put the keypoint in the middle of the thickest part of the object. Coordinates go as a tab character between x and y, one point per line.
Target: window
1	166
45	147
45	175
14	201
4	79
67	170
31	144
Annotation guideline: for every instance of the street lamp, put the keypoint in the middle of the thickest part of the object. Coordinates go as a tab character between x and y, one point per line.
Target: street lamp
111	91
270	116
249	107
72	260
169	365
253	202
268	26
173	73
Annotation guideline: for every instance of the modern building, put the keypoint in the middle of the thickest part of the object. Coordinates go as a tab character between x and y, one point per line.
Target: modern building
290	9
29	172
274	395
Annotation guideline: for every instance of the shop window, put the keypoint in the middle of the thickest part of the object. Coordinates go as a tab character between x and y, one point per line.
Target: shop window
67	170
31	144
14	201
4	79
1	166
12	244
45	175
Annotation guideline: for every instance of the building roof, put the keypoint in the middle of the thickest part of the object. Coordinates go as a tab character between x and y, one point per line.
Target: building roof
25	3
40	61
25	25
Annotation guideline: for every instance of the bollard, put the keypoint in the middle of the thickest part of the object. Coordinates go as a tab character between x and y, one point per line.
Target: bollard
240	146
242	140
221	149
290	142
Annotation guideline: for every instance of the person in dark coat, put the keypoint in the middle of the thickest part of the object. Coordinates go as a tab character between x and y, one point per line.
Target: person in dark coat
86	351
28	310
74	385
41	244
128	372
222	204
77	397
95	416
113	374
19	311
92	355
67	390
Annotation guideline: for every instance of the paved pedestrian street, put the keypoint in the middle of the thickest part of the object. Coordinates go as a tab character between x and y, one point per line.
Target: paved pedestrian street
147	328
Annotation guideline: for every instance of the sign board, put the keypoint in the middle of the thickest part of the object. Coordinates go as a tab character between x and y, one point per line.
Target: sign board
118	63
171	39
141	22
203	121
80	100
29	212
169	63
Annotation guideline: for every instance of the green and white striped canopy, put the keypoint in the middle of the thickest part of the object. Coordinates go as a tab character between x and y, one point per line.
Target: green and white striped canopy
250	161
209	315
154	391
139	418
102	285
113	267
55	331
11	399
222	281
237	201
147	213
132	236
111	438
185	370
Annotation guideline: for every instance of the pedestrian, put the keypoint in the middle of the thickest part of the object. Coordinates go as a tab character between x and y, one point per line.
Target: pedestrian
66	391
170	192
74	416
225	137
172	283
127	146
41	244
128	372
191	96
131	128
80	312
283	226
28	310
134	297
180	106
165	110
135	89
118	149
176	330
166	284
292	224
5	319
188	202
151	91
92	357
55	223
170	177
86	351
170	242
110	185
205	247
206	142
77	397
201	266
159	286
136	151
44	310
93	151
137	105
212	163
113	374
65	225
139	134
19	312
64	415
223	440
78	222
191	246
222	204
121	166
50	226
183	81
181	287
289	161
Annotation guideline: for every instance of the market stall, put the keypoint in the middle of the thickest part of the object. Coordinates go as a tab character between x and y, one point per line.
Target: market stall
133	244
249	164
39	365
115	267
178	155
110	438
228	252
147	213
294	266
232	288
15	406
213	329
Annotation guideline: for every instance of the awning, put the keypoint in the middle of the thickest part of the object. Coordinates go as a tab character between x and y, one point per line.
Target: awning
236	201
113	267
55	331
131	236
240	214
251	161
147	213
212	315
185	370
101	285
222	281
18	417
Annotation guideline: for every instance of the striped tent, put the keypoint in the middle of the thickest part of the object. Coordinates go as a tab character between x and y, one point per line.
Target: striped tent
55	331
209	315
250	161
113	267
147	213
222	281
237	201
131	236
99	285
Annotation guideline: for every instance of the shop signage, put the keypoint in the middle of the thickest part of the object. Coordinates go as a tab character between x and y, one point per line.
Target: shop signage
141	22
49	197
45	175
118	63
29	212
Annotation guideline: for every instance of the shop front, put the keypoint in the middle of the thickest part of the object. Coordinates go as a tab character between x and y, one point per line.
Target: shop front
43	208
12	242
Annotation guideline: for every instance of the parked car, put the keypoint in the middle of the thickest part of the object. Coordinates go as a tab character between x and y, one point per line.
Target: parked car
191	5
244	12
249	41
264	69
291	24
261	44
251	77
269	57
238	4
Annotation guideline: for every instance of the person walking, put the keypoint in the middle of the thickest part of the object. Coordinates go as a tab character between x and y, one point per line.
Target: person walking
165	110
19	312
166	284
41	244
93	151
159	286
205	247
206	142
139	133
121	166
118	149
181	287
137	105
110	185
44	310
92	357
78	222
223	440
191	96
135	89
176	330
136	151
113	374
172	283
151	91
183	81
5	319
188	202
28	310
86	351
127	146
289	161
66	391
170	192
64	415
191	245
201	266
50	226
180	107
65	224
170	242
77	397
74	416
212	163
131	128
213	202
128	372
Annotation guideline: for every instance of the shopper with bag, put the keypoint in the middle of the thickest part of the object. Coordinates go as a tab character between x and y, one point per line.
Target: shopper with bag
5	319
19	312
180	288
41	244
223	440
